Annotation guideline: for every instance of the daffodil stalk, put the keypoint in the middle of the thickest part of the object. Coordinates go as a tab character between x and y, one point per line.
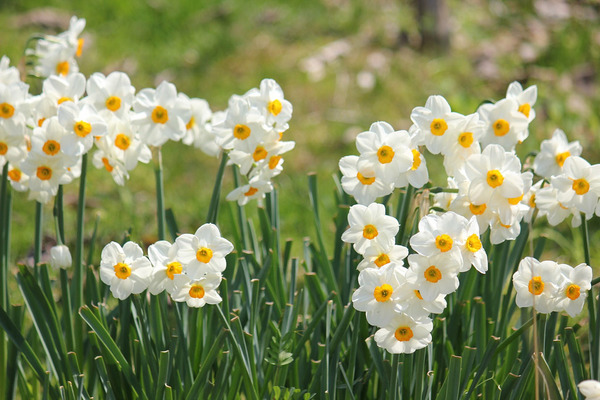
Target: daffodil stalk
213	209
4	249
594	342
37	254
77	291
160	194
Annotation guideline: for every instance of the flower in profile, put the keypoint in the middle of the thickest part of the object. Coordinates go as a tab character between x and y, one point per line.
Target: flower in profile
125	269
64	89
410	302
590	389
163	256
204	251
254	189
537	284
573	292
199	130
525	99
553	154
579	185
404	334
197	292
377	293
369	225
379	254
417	175
269	100
60	257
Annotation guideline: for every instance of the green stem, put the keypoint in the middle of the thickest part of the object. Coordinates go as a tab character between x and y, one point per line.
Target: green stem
402	212
160	194
59	223
77	291
594	340
4	248
393	388
213	209
37	254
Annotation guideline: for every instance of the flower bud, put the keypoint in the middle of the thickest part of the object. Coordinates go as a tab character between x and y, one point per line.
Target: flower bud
60	257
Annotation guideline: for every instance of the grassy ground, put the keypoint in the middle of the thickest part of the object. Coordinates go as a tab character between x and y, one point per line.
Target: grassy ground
212	49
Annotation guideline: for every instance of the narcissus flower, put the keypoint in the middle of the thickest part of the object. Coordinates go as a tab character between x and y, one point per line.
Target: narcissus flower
434	275
112	95
379	254
362	183
537	284
590	389
163	256
197	292
435	122
525	98
369	225
439	234
204	251
572	293
553	154
269	100
505	125
83	124
377	293
60	257
579	185
254	189
404	334
125	269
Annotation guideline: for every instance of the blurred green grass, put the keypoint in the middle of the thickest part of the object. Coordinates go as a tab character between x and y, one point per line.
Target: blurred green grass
213	49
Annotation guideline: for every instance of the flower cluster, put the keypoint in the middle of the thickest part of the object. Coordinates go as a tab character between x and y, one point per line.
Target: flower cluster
43	137
397	299
189	270
388	159
548	286
56	54
251	130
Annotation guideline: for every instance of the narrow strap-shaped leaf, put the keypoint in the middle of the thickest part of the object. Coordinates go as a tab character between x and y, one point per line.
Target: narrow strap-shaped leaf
104	336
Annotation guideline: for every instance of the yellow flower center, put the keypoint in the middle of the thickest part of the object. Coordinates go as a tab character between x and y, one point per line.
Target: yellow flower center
51	147
473	243
477	209
241	131
364	180
80	43
160	115
370	232
560	158
383	293
204	254
465	139
403	334
173	268
15	174
113	103
63	99
501	127
82	128
418	294
416	159
122	270
581	186
494	178
3	148
443	242
107	165
41	121
62	68
382	259
259	153
6	110
532	201
438	126
191	123
122	141
573	291
274	162
196	291
515	200
432	274
385	154
274	107
251	191
536	285
44	173
524	109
